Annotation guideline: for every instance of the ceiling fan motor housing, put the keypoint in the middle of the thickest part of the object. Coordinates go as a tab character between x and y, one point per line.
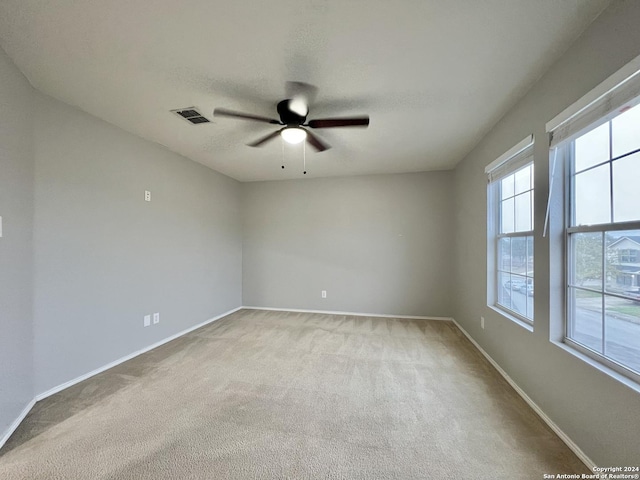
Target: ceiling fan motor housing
288	116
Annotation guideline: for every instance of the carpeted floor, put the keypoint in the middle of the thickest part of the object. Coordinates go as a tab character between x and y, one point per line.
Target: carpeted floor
271	395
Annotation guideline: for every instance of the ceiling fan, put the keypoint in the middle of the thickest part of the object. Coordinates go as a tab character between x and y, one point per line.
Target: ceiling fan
293	112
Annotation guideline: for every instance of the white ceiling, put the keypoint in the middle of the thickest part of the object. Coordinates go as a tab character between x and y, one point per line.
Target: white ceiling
433	75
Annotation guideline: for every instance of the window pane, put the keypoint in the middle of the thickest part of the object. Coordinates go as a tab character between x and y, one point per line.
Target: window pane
532	201
529	294
623	263
622	331
592	201
523	212
519	255
626	132
523	179
504	255
504	282
506	216
518	294
626	188
592	148
586	327
515	290
530	256
506	187
587	260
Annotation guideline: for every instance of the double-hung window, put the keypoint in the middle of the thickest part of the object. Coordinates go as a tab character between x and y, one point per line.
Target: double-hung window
510	227
600	146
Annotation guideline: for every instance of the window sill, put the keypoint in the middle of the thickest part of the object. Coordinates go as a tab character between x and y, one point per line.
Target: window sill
633	385
518	321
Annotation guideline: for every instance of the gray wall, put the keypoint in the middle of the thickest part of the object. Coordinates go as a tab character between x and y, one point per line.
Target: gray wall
377	244
597	412
16	248
104	257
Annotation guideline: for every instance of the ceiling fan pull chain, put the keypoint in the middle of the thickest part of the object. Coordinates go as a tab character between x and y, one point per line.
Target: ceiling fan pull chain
304	158
282	143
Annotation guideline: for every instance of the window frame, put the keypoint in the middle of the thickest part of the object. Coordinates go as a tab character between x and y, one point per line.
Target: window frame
570	229
618	92
514	160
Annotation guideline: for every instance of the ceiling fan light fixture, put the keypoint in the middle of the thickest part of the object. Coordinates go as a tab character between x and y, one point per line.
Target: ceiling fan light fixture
293	135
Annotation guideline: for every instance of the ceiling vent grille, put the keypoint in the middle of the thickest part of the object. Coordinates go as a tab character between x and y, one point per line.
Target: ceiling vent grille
191	115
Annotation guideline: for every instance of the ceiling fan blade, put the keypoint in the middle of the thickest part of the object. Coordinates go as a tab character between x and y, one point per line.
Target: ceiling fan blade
265	139
339	122
223	112
316	143
301	95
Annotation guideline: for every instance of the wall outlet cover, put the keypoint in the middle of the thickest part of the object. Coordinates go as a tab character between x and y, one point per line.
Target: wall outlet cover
156	318
147	320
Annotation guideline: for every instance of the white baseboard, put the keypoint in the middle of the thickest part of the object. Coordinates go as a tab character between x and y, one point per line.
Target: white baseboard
90	374
563	436
357	314
16	422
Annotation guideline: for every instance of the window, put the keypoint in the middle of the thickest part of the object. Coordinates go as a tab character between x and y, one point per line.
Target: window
600	146
510	219
603	238
628	256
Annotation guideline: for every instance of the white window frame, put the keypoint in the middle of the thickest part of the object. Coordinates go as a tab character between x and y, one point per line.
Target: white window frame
601	105
570	287
516	158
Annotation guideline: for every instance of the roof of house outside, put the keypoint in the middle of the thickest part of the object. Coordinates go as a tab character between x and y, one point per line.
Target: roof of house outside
633	238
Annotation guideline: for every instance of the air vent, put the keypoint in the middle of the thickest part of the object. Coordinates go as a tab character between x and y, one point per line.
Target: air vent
191	115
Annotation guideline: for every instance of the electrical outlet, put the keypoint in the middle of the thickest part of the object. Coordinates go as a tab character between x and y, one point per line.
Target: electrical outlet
482	322
147	320
147	196
324	294
156	318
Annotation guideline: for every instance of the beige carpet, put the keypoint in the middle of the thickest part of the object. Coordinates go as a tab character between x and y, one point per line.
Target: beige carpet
262	395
